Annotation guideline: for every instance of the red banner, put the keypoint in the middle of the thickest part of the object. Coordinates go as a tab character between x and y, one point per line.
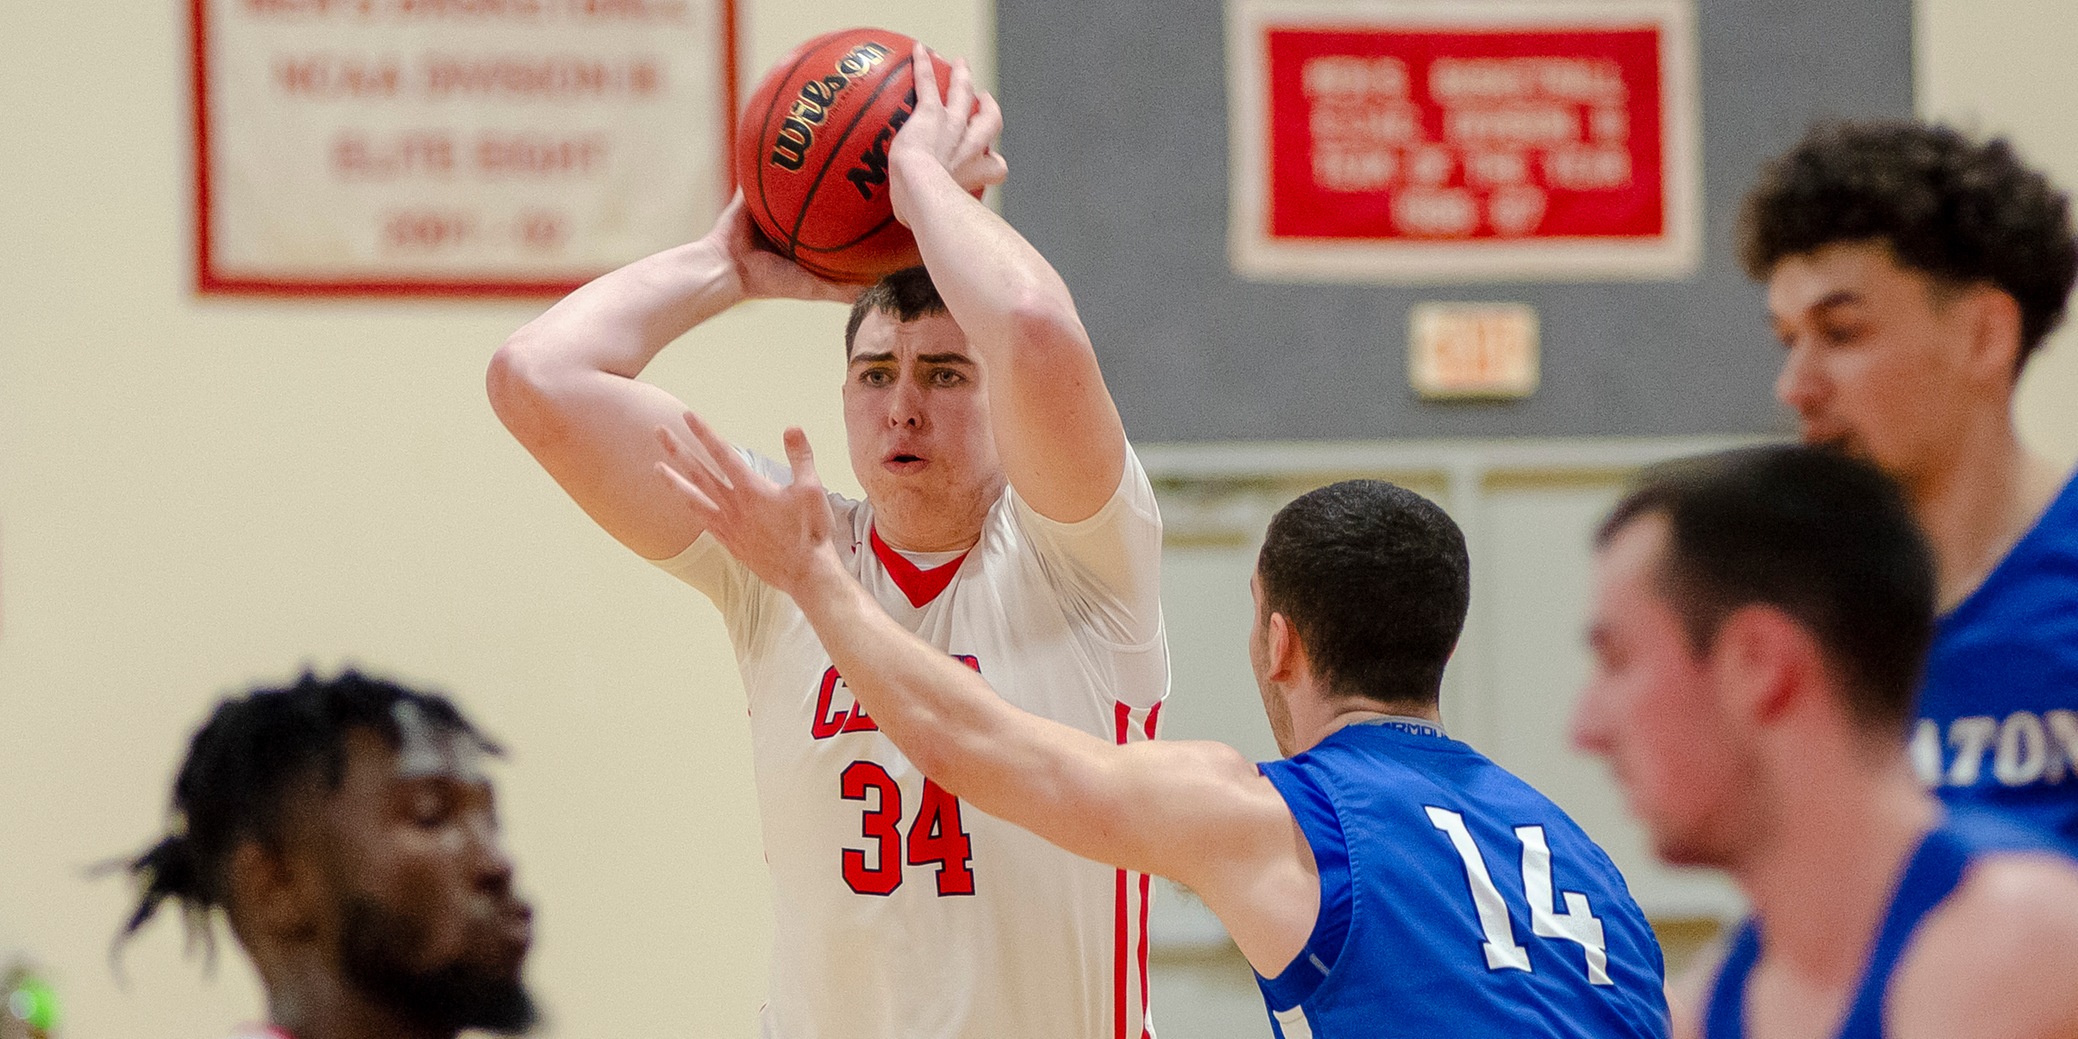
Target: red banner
1438	140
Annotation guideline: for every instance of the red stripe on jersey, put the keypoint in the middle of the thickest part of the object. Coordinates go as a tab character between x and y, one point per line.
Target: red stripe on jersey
1124	713
1145	901
1145	880
918	584
1118	961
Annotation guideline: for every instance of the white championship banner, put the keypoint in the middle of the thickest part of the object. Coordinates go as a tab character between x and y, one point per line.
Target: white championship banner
397	147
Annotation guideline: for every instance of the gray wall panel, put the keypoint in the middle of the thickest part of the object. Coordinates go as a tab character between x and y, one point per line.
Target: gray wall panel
1117	114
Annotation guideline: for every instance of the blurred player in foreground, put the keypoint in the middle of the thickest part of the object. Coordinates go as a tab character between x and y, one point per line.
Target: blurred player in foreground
1006	521
345	830
1758	624
1912	273
1383	879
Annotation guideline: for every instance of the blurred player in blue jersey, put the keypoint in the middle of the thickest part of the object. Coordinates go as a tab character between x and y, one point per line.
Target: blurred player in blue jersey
1912	273
1758	626
1383	879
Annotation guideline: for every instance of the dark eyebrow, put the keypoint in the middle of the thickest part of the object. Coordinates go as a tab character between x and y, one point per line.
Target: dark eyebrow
1838	297
942	359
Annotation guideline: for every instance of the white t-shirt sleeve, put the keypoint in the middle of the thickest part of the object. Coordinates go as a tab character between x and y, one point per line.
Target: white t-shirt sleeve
1108	572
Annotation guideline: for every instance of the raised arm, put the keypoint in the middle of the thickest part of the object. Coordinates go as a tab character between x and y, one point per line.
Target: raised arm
1057	430
567	383
1197	812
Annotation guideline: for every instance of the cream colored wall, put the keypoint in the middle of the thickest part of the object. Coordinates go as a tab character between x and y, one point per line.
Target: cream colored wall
2003	66
195	494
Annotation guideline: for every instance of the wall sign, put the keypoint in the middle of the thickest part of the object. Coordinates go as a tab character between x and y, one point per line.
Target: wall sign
400	147
1434	140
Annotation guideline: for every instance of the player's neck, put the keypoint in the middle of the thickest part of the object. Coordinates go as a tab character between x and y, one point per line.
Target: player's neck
931	538
1821	878
937	520
1980	500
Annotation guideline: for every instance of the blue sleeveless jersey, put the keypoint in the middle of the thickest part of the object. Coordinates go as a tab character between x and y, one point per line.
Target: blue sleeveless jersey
1931	874
1998	709
1455	901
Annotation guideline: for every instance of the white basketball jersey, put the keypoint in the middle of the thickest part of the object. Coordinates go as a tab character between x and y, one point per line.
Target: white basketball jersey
902	912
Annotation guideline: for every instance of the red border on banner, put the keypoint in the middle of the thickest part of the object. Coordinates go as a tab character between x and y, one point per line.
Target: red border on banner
209	283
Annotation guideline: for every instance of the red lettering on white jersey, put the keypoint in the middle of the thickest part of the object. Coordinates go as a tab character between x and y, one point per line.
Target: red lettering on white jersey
830	720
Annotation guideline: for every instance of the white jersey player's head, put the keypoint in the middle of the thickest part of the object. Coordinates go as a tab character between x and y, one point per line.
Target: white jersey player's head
1759	621
1361	590
917	417
1911	272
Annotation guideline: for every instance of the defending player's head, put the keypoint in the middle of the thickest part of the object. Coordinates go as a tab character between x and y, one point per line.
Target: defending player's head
1737	596
345	830
1911	273
1374	582
915	413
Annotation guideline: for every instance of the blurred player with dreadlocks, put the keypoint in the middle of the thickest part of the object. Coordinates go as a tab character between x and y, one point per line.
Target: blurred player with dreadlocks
346	831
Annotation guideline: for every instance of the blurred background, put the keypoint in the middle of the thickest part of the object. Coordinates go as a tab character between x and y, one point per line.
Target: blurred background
202	492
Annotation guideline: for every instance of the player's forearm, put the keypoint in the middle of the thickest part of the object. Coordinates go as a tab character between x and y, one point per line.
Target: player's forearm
943	715
1059	434
618	322
997	286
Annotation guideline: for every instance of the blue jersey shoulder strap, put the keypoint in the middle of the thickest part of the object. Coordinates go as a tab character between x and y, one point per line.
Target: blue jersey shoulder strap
1725	1017
1932	873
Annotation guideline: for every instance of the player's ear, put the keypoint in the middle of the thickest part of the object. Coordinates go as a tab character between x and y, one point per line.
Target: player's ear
1994	329
272	894
1286	653
1766	664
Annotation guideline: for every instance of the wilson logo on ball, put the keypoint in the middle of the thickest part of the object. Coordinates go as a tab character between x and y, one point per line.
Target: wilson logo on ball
797	132
813	149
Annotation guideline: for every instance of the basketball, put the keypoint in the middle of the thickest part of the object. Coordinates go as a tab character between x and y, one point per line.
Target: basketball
812	153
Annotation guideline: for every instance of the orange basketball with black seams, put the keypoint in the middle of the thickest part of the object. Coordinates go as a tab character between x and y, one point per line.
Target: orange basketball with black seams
812	152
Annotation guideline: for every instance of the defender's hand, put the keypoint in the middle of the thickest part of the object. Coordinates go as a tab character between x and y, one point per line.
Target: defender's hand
782	533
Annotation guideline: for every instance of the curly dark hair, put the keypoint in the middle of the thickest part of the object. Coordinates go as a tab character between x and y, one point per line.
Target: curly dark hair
1960	211
242	767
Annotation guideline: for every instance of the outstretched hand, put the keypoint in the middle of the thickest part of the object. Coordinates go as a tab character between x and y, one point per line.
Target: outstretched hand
781	532
957	133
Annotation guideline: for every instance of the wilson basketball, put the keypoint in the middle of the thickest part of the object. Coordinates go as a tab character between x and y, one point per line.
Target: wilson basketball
812	152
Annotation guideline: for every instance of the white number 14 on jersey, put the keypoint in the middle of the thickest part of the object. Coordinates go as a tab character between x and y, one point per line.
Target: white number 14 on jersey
1577	924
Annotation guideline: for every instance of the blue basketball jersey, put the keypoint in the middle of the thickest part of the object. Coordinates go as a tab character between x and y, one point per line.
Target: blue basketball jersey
1998	709
1931	874
1455	900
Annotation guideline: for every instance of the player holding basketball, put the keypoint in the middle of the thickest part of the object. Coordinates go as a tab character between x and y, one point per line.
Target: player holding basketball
1757	628
1912	273
1383	879
1006	521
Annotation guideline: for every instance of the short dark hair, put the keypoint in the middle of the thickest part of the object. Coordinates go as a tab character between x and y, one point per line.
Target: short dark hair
244	763
1959	211
1375	581
1825	538
908	294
